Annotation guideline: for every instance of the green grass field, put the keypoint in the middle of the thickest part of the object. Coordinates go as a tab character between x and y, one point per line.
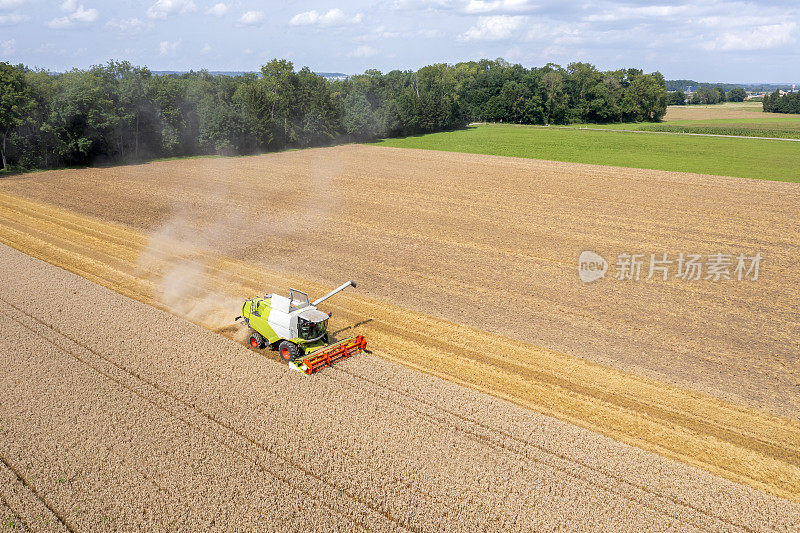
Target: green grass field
744	158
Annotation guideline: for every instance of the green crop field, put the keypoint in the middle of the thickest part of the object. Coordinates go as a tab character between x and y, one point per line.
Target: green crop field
745	158
778	127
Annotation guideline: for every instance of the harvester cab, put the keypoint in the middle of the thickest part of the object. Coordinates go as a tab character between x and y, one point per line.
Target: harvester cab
297	329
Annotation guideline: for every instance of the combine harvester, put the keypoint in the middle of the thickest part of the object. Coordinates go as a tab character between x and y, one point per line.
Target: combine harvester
297	329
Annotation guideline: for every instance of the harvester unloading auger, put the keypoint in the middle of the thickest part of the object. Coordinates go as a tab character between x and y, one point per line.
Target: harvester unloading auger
297	329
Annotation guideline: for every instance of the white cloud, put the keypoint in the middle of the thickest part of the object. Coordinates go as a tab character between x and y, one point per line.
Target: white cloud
167	47
734	20
59	23
494	6
561	33
333	17
494	28
618	13
84	15
11	19
304	19
364	51
758	38
76	13
129	26
206	49
163	8
379	33
218	10
8	47
252	18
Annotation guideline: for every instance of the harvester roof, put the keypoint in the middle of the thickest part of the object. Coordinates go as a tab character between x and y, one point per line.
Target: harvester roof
313	315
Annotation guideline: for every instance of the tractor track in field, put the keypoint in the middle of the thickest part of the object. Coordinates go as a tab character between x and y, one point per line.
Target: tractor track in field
120	254
29	489
494	436
58	334
157	390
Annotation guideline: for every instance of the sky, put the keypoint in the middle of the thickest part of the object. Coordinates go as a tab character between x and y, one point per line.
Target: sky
704	40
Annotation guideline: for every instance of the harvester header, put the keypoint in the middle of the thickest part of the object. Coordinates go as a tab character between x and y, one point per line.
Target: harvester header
297	329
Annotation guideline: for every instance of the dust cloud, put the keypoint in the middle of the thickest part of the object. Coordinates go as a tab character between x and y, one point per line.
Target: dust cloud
214	217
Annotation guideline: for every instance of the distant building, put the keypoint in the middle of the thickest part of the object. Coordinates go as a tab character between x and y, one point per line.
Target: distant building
333	76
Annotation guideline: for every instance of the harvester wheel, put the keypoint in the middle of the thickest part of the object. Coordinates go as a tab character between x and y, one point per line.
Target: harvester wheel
288	350
256	340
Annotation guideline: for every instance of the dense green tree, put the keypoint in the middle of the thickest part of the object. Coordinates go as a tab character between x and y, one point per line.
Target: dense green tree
16	102
359	118
708	95
317	119
676	98
279	84
786	103
737	94
83	117
32	147
645	98
135	108
555	106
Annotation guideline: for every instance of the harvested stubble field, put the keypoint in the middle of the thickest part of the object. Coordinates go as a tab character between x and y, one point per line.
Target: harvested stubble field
116	415
728	110
467	264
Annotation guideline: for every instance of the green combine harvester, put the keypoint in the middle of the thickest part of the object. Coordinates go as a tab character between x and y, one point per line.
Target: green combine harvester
297	329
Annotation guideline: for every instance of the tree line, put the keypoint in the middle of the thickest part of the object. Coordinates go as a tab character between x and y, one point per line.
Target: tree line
786	103
707	95
119	112
674	85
